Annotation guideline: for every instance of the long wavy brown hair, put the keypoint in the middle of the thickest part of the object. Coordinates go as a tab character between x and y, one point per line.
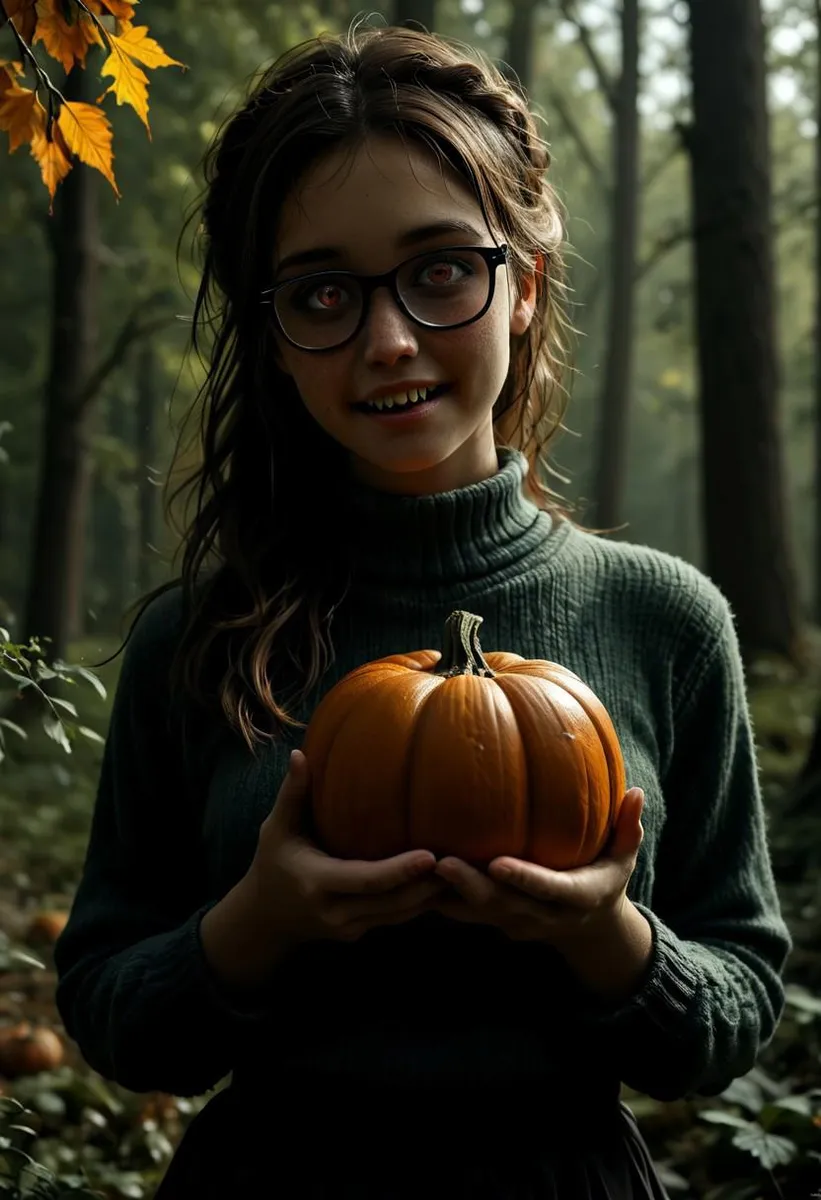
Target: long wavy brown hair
259	586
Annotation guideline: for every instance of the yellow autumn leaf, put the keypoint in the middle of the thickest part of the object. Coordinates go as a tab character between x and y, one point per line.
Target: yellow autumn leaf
136	43
21	114
123	10
8	73
88	134
52	157
23	17
68	43
130	84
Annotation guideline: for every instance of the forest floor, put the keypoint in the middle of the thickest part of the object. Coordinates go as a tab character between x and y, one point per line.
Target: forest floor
760	1140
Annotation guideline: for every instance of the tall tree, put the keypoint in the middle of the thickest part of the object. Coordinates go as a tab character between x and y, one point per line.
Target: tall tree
55	579
622	182
611	450
746	531
521	42
817	490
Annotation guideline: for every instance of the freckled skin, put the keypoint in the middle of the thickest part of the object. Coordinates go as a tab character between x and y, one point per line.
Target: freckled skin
362	203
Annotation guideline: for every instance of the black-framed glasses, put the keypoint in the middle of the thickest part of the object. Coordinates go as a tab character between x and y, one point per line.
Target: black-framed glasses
439	289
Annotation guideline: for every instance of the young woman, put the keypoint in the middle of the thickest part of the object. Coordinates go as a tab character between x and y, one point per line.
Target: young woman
383	280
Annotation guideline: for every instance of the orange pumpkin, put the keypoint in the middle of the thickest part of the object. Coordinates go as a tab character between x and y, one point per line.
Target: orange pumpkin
26	1049
464	753
45	927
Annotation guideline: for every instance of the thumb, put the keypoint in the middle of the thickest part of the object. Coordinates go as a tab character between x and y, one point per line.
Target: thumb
290	802
629	833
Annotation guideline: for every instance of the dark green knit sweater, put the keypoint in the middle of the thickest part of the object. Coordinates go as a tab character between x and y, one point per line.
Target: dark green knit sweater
434	1000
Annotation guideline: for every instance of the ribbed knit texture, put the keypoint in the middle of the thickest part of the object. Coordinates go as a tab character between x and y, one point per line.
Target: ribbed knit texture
437	1000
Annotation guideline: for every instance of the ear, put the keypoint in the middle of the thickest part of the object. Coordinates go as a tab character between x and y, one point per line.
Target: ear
524	301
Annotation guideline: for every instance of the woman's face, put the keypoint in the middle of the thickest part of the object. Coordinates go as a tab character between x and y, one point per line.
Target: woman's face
367	212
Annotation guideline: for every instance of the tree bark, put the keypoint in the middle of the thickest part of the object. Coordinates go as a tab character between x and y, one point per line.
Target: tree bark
746	530
521	43
53	605
611	467
817	562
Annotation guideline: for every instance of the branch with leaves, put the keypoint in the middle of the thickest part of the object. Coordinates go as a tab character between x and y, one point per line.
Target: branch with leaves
24	666
60	132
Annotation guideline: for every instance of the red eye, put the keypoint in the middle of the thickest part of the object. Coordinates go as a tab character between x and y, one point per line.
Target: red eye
329	296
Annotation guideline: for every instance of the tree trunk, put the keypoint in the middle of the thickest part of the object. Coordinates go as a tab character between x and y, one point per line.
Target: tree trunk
614	409
746	531
520	49
817	563
415	12
146	446
52	607
112	526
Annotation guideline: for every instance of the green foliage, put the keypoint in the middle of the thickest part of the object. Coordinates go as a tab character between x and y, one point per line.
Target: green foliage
25	668
21	1176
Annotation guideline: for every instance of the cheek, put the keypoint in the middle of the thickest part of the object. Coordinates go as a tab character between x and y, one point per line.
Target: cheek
319	380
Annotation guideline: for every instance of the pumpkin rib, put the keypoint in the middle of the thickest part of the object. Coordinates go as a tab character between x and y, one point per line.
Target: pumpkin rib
331	712
363	783
445	799
598	715
569	768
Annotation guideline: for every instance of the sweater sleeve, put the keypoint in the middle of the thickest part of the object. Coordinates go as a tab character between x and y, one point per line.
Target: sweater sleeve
713	993
134	989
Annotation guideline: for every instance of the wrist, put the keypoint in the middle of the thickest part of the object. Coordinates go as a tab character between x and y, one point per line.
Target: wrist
612	958
241	944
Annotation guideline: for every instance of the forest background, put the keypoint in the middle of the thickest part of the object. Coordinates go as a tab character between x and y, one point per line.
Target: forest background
686	145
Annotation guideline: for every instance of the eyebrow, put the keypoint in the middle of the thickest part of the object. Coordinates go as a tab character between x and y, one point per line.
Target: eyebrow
412	237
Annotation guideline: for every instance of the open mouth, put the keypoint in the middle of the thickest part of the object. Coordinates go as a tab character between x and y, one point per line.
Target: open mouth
403	402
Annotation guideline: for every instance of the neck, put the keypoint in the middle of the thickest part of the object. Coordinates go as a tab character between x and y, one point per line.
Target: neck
466	533
472	462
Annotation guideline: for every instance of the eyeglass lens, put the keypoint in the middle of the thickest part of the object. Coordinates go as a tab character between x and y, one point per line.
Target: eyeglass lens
439	289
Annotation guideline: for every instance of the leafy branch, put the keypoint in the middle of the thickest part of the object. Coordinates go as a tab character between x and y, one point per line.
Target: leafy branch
23	665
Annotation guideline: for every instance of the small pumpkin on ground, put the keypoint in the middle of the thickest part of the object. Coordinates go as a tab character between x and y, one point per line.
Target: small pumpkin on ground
45	927
26	1049
464	753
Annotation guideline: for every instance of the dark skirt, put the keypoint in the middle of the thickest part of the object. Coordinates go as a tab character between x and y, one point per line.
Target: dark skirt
297	1144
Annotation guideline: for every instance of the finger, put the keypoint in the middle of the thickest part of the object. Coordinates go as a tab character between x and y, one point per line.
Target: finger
472	885
289	807
352	876
372	909
628	834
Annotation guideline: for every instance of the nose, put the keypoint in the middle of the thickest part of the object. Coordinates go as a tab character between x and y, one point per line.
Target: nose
388	334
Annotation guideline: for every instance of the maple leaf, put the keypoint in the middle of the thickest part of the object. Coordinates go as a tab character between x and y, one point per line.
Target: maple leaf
123	10
88	134
130	84
23	17
8	70
52	156
21	114
68	43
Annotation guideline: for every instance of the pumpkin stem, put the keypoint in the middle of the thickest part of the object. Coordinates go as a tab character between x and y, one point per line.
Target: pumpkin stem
461	653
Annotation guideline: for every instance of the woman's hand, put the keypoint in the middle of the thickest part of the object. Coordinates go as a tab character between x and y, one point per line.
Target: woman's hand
302	894
533	903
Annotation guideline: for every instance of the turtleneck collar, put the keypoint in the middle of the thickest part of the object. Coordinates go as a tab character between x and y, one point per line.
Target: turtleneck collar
446	538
